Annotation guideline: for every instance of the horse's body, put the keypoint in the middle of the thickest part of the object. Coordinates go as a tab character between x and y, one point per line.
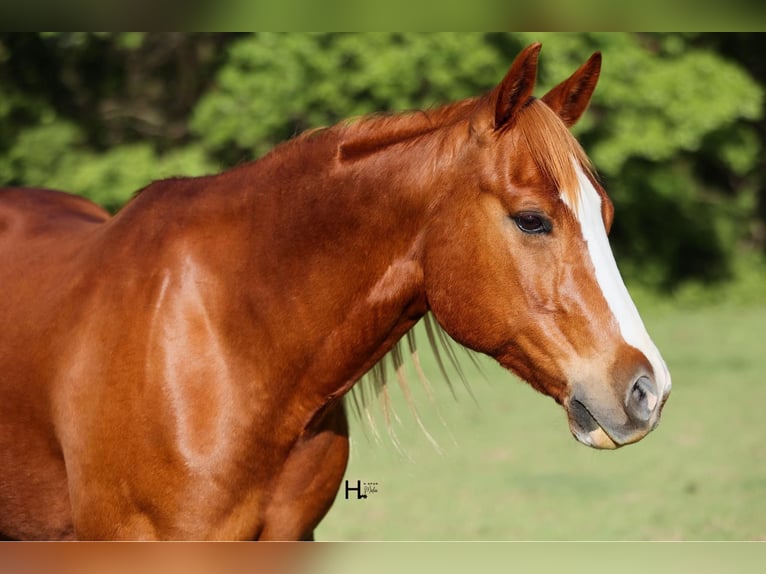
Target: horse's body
177	371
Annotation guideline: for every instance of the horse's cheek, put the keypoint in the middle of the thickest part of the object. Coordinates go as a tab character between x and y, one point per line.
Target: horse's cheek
461	299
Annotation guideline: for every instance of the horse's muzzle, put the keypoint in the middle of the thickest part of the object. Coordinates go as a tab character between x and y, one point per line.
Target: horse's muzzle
612	426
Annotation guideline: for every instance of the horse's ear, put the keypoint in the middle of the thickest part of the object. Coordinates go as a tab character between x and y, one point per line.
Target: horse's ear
517	85
570	98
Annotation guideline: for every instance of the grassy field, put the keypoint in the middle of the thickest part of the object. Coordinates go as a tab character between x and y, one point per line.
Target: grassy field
510	470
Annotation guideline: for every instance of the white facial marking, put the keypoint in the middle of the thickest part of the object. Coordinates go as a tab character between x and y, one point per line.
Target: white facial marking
588	213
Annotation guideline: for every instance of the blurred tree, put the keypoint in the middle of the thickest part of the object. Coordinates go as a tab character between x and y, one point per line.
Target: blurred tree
102	114
747	50
284	83
676	127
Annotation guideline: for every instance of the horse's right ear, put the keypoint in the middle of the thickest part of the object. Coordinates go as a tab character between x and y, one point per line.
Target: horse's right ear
516	88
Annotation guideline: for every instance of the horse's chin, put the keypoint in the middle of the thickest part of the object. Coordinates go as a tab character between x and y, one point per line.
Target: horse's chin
596	438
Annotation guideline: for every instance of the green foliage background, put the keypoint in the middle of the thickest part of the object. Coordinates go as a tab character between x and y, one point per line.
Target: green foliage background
676	128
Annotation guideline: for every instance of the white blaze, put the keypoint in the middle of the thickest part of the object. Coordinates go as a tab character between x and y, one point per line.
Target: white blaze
610	281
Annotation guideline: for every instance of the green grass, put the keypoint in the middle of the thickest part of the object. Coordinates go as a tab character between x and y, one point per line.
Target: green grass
514	472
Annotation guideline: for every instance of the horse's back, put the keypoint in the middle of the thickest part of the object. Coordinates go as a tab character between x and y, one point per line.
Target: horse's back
29	213
41	232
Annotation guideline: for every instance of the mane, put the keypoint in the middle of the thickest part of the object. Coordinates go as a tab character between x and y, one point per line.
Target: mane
370	134
373	387
553	148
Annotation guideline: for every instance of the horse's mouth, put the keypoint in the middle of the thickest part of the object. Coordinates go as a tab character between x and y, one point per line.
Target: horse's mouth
586	429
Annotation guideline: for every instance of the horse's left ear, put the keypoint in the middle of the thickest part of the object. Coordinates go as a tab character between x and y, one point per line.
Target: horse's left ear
570	98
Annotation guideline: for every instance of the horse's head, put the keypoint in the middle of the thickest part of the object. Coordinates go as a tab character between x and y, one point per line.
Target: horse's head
518	264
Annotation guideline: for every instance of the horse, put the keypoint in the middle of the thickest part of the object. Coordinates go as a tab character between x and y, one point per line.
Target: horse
178	370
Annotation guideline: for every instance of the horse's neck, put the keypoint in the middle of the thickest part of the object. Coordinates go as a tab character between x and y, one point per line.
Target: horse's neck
334	259
310	265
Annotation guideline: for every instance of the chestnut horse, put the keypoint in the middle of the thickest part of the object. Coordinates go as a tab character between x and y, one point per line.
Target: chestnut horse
177	371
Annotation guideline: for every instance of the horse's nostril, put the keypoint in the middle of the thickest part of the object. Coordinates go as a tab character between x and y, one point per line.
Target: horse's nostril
642	399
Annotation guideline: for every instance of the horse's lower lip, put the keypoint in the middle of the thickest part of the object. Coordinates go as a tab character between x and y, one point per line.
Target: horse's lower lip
597	438
587	430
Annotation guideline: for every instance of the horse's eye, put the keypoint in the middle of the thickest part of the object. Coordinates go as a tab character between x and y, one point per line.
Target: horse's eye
532	223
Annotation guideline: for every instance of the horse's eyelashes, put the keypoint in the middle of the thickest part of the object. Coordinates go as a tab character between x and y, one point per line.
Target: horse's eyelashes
532	223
